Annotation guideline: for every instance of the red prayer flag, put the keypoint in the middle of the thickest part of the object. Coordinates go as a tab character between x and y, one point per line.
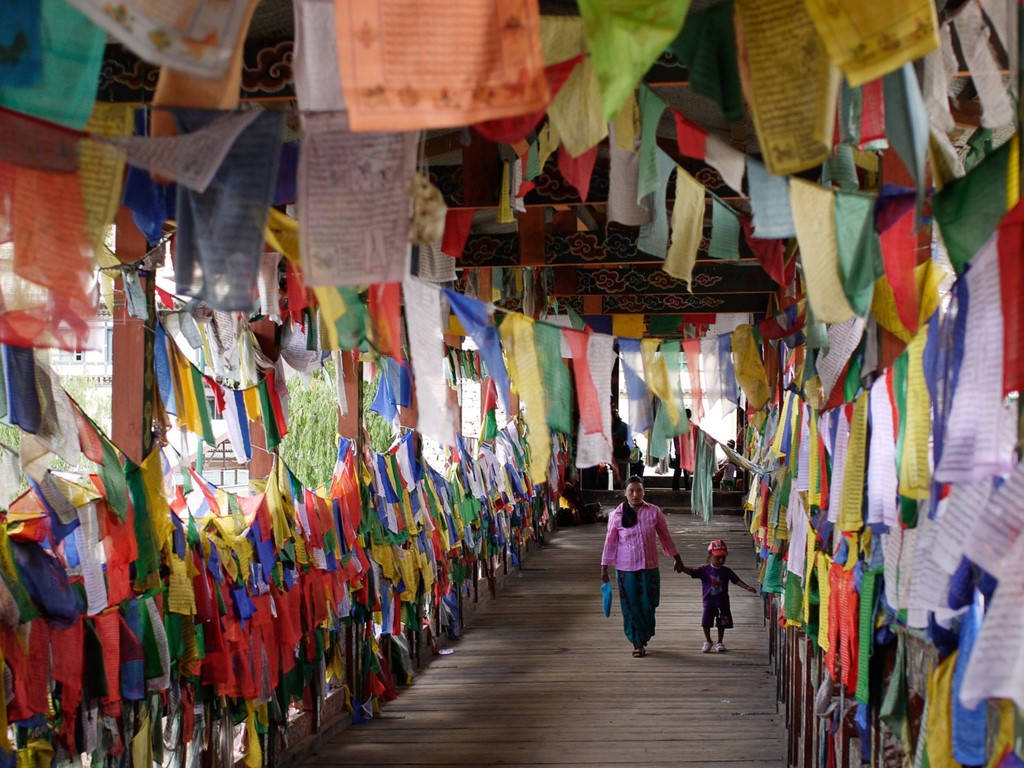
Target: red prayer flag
899	246
577	170
692	139
1011	288
586	391
770	254
456	230
385	305
872	112
691	348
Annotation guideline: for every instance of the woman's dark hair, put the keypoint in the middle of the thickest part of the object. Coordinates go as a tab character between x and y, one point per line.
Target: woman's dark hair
628	510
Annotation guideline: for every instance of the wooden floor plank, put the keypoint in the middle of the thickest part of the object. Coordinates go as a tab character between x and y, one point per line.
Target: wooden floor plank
541	678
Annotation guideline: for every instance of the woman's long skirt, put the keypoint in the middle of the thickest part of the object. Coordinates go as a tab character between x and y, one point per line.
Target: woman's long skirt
639	595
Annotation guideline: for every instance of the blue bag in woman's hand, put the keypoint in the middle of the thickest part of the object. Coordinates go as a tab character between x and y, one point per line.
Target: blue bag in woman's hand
606	593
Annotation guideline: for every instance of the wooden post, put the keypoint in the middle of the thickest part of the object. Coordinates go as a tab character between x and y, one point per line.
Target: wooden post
133	380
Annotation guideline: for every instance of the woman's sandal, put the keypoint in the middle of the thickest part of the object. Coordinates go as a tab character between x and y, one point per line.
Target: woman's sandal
639	653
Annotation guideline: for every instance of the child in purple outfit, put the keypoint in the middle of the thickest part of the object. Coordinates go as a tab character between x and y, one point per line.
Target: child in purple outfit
715	578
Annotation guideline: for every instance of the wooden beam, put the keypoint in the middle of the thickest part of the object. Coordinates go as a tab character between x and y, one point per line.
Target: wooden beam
712	276
668	304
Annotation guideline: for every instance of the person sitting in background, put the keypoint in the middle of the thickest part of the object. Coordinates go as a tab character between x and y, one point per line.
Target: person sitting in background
725	475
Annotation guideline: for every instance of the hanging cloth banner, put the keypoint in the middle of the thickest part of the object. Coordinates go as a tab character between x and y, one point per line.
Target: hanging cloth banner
1011	281
750	373
493	65
881	479
596	448
860	258
353	202
794	117
906	125
653	236
237	425
586	388
640	416
813	209
423	303
475	319
518	339
691	348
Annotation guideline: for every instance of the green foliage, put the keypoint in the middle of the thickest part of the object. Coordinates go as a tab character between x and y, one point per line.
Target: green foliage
310	448
380	432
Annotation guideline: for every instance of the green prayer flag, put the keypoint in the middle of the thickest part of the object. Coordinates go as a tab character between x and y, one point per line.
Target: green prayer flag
532	162
842	169
72	53
574	318
663	325
701	499
148	561
794	598
112	475
624	39
270	433
725	232
707	48
554	376
866	630
969	209
860	255
204	406
651	106
773	574
851	107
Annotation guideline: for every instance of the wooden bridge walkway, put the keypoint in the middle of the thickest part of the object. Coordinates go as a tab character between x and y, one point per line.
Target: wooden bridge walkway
541	678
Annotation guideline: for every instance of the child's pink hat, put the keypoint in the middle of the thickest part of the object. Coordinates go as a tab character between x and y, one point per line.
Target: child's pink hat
718	547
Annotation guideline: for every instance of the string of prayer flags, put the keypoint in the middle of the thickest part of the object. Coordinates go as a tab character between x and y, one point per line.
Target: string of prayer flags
596	447
624	39
687	227
860	258
517	336
814	218
493	66
475	319
219	242
794	117
71	56
868	43
352	203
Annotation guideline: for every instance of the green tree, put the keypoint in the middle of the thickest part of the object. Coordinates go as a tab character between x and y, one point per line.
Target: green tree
311	446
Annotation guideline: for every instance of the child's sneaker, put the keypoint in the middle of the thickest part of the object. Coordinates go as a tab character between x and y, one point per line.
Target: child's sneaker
706	648
719	647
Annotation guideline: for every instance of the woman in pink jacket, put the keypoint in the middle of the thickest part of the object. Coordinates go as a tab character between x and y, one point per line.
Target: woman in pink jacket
629	546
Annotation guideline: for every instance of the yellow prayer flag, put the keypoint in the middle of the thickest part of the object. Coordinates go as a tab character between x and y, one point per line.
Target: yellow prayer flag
576	109
814	218
517	338
657	377
824	563
850	516
1013	173
101	169
868	40
628	326
750	373
915	472
687	227
547	142
789	82
627	125
939	723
